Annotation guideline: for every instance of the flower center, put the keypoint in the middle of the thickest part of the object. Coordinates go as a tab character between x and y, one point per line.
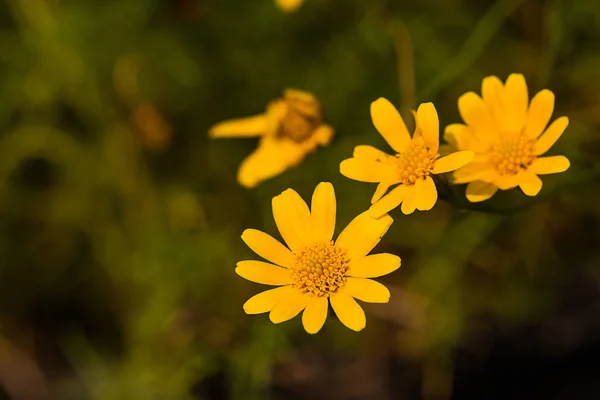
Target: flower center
415	162
302	117
511	155
321	269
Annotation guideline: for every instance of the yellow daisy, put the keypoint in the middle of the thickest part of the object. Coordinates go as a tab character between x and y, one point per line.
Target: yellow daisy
316	270
290	128
289	6
508	135
416	159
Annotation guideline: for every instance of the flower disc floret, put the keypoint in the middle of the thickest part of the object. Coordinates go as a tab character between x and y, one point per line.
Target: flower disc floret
320	269
416	162
512	155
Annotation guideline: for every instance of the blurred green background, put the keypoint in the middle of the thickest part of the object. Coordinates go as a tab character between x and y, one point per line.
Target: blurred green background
120	220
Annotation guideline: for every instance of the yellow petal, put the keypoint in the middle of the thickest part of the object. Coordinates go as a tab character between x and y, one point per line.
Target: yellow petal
271	158
474	171
552	134
348	311
362	234
380	191
265	301
243	127
367	290
428	124
364	170
505	182
530	183
268	248
475	112
540	111
323	135
315	314
262	272
292	218
409	204
453	161
369	153
549	165
388	202
288	307
517	101
425	194
390	125
289	6
323	208
492	90
374	265
459	136
480	191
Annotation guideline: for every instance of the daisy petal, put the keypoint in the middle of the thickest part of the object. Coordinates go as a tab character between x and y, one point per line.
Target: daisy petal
425	194
517	101
323	210
362	234
367	290
265	301
262	272
552	134
480	191
459	136
429	125
292	218
453	161
374	265
388	202
315	314
369	153
505	182
530	183
390	125
475	112
323	135
271	158
409	204
348	311
268	248
474	171
380	191
540	111
492	90
288	307
363	170
242	127
549	165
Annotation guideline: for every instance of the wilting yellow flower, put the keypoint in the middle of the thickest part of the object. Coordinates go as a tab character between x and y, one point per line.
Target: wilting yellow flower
290	128
411	167
507	134
315	269
289	6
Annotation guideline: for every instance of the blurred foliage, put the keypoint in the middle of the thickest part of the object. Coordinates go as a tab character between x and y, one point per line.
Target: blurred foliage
120	221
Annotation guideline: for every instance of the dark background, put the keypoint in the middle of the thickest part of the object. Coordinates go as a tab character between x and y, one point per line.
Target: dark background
120	220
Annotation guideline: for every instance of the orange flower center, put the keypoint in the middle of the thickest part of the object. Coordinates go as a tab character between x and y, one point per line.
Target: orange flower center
416	162
512	155
302	116
321	269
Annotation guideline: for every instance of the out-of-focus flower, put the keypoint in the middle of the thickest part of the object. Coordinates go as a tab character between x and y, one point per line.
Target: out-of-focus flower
508	135
290	128
289	6
154	130
316	270
416	159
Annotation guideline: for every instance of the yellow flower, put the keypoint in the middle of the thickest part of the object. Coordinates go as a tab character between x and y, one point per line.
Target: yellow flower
289	6
507	134
290	128
412	165
315	269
